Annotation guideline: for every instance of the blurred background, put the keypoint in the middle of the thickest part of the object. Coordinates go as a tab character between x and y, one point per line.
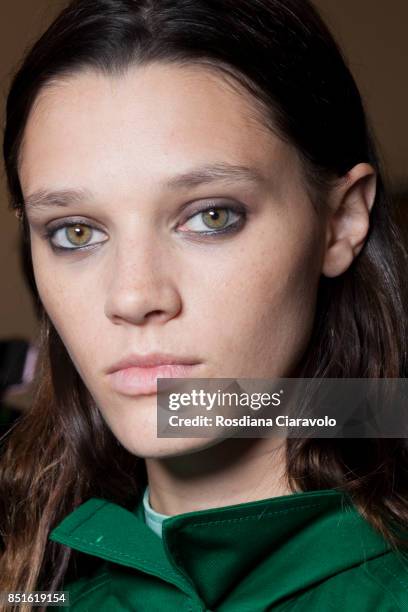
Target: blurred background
374	40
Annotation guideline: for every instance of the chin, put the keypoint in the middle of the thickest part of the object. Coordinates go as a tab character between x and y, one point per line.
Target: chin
162	448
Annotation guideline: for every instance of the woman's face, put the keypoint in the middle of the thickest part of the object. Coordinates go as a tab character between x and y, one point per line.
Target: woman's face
146	271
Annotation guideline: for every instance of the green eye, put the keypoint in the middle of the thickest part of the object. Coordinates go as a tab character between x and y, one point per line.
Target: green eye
79	234
215	218
73	236
219	219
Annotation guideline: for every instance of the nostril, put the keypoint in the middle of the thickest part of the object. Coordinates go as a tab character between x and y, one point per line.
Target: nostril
154	314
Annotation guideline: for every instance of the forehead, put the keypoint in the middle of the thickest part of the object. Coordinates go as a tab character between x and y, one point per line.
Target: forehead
90	127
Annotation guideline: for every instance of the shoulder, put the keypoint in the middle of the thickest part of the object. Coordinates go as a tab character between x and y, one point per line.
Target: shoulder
389	574
380	583
85	592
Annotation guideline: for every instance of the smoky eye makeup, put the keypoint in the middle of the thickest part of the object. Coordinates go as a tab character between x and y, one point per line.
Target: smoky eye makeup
208	220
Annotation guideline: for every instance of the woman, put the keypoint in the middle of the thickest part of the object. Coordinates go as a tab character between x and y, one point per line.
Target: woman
200	195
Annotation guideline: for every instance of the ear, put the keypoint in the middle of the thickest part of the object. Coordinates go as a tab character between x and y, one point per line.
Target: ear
348	218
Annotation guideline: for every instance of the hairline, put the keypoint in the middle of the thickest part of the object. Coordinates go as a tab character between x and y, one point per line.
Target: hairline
261	112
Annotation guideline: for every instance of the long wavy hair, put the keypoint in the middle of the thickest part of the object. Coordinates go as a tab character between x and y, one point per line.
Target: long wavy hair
61	452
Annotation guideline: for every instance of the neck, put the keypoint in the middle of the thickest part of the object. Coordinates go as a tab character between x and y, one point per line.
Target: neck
236	470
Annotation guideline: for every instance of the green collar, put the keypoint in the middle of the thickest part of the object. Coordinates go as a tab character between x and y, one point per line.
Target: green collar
294	541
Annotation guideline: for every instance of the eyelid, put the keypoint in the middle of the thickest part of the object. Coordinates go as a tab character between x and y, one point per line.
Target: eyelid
241	209
214	203
197	208
52	228
229	208
58	223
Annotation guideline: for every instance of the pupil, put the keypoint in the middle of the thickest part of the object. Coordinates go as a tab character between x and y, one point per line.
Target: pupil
78	234
216	216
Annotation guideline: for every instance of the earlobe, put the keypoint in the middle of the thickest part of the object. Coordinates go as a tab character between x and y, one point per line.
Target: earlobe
348	221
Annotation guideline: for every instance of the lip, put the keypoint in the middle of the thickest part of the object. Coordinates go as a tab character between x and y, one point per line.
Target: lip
151	360
138	374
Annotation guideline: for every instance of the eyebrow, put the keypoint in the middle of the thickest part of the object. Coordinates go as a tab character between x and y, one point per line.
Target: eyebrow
202	175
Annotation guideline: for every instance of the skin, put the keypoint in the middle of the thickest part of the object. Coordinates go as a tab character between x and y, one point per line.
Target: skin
241	303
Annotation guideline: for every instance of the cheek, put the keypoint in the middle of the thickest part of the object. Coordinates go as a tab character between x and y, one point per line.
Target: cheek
265	274
70	301
262	302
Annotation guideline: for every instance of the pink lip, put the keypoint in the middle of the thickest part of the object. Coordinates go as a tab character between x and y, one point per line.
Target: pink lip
135	380
149	360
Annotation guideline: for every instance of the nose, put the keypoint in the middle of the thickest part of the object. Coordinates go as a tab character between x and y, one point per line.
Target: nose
141	285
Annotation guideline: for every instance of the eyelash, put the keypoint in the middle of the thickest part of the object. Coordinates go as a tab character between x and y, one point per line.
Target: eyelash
233	227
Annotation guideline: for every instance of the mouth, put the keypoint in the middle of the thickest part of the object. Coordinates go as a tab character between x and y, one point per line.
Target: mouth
137	380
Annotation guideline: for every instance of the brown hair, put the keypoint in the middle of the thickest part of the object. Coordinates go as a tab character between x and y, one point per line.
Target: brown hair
61	452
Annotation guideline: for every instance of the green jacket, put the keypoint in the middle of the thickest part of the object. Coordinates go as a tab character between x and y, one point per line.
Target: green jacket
306	552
